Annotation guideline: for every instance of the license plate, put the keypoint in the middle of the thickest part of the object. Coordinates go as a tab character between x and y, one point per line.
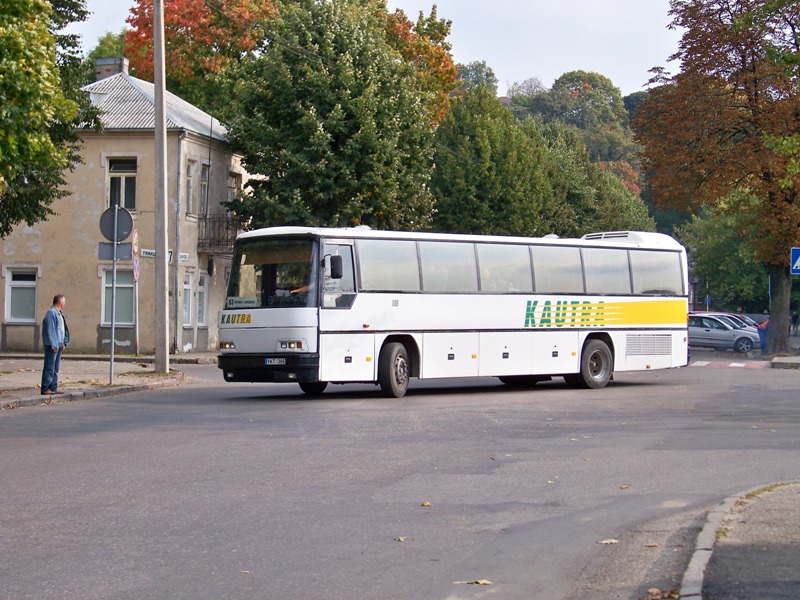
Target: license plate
274	361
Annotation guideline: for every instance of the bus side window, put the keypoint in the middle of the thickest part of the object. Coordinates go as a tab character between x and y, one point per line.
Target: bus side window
340	292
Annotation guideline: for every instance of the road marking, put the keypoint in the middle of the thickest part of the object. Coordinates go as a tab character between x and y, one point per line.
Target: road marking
756	364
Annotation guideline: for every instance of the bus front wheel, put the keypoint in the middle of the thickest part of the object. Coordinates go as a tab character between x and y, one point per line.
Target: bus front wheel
597	365
393	370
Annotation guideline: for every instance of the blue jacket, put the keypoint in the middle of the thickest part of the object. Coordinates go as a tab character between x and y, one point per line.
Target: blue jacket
52	334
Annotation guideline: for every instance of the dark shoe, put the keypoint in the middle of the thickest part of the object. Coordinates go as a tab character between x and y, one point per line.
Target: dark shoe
47	393
56	392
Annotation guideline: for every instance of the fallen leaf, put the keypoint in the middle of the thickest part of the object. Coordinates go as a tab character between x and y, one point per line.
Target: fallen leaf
401	538
624	487
651	545
609	542
426	504
657	594
473	582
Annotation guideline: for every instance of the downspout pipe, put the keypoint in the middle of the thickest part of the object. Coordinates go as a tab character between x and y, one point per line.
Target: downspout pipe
178	284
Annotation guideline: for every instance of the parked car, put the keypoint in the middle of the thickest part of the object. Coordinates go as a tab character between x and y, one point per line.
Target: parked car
720	333
731	319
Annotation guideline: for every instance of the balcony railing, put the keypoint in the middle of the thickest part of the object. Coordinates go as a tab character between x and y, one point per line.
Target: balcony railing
216	233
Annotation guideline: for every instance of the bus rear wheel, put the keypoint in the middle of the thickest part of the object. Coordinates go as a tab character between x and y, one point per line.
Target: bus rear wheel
313	388
597	365
393	371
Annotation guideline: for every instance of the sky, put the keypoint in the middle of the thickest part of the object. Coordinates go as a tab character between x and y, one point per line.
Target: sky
518	39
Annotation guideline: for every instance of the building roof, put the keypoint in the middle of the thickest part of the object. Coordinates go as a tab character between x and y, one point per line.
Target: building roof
129	103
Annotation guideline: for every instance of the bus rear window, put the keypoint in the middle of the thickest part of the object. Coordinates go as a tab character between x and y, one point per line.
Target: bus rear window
656	273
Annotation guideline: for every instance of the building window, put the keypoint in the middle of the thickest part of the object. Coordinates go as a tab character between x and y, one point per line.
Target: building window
189	196
234	186
21	292
202	299
187	299
204	172
124	297
122	182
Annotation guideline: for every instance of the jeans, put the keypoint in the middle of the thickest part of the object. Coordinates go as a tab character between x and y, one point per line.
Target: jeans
52	362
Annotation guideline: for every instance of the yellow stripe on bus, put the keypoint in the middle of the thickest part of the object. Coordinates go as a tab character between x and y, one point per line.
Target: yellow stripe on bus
655	312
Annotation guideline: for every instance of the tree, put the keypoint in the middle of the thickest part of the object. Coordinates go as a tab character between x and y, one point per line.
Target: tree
108	46
488	177
477	73
425	46
587	197
331	121
495	175
732	99
529	88
594	106
723	260
36	115
201	38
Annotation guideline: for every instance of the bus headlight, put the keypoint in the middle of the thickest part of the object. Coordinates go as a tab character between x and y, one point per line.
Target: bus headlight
227	346
291	345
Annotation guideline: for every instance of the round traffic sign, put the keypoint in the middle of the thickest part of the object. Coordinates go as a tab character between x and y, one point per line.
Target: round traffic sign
135	242
124	224
136	268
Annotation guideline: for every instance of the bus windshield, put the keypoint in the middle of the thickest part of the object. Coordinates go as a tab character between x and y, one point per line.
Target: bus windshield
272	273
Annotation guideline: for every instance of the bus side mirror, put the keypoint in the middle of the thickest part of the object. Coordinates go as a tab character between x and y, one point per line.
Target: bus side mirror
337	267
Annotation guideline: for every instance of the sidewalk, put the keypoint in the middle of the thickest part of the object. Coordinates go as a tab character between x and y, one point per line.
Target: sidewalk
86	376
749	548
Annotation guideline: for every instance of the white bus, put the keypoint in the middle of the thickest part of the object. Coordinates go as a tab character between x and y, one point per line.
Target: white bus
318	306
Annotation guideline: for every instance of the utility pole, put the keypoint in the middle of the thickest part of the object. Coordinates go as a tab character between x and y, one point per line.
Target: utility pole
160	132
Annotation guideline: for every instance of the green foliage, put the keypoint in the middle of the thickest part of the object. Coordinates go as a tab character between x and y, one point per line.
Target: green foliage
496	175
39	106
632	102
488	177
588	197
594	106
331	123
723	260
476	74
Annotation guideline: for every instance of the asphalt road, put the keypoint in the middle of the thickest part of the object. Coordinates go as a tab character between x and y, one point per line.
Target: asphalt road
216	490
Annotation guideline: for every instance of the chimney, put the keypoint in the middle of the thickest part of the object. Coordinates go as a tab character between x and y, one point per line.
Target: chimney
106	67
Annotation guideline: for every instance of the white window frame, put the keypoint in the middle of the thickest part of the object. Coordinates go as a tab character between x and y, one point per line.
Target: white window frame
188	281
103	286
202	299
205	178
8	275
189	191
123	177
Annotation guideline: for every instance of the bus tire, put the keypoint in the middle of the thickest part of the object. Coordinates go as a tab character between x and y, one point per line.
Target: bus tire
393	370
597	366
313	388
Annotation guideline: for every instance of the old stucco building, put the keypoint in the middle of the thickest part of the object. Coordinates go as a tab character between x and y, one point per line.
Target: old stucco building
61	254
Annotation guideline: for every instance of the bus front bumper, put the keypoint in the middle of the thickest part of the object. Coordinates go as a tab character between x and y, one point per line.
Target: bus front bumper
272	368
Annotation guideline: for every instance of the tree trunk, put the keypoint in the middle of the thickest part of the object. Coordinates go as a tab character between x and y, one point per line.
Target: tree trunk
779	318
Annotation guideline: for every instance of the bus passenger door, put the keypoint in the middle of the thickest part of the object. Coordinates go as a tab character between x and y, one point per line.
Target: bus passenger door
346	351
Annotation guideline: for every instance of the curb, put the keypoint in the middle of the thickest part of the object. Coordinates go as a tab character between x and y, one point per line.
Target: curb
177	359
175	379
692	583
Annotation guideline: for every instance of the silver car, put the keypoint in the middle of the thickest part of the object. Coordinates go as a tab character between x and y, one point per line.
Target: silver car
720	333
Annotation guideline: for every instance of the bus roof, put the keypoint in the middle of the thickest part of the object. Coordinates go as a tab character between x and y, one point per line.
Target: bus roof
612	238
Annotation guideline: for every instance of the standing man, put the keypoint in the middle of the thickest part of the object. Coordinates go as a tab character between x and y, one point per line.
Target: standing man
55	338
